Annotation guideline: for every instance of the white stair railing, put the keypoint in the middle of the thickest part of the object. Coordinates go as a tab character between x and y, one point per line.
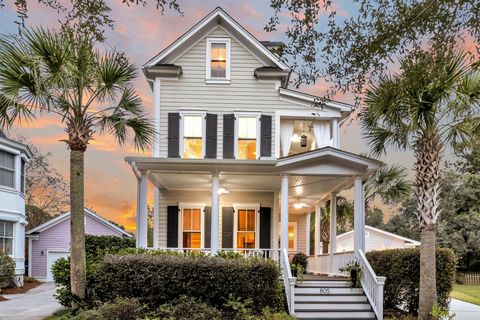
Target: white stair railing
372	285
288	280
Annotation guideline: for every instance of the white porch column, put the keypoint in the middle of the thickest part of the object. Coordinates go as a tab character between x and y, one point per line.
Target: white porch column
156	153
335	134
215	215
359	217
318	226
275	224
142	211
284	211
333	223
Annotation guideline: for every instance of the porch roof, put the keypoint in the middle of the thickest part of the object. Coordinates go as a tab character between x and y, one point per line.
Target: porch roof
312	175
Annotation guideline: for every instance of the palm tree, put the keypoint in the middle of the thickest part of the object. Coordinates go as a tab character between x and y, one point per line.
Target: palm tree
61	73
432	103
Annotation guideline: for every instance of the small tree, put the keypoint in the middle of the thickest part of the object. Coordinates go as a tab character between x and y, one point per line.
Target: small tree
433	102
63	74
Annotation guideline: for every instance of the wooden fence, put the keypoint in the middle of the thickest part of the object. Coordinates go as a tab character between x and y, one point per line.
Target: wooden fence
468	278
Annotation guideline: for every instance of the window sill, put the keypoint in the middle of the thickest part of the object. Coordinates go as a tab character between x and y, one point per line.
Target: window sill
217	81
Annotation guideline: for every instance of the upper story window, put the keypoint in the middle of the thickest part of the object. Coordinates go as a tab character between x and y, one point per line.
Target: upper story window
6	237
7	169
247	137
193	136
22	177
218	60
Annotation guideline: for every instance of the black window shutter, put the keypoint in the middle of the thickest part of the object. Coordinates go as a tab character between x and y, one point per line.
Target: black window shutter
211	138
266	136
174	135
207	227
227	228
228	136
172	227
265	227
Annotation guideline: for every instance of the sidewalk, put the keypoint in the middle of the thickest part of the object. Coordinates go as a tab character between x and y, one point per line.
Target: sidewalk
36	304
464	310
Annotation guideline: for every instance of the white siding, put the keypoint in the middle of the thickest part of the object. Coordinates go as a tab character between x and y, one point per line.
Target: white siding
245	93
374	241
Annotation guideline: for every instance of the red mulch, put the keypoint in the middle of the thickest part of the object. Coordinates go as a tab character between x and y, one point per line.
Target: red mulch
25	288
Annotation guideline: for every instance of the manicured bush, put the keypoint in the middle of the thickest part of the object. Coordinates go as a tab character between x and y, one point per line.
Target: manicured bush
159	279
401	267
7	271
95	247
120	309
188	308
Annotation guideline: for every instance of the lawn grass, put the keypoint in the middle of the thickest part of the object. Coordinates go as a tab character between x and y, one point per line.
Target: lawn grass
467	293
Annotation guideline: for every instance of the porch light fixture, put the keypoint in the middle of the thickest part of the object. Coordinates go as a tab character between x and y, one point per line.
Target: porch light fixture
222	191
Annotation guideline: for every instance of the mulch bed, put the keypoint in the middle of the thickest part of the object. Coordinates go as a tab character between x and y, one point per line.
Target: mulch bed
26	286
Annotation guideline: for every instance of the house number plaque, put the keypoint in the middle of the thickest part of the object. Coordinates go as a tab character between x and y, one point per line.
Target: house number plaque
324	290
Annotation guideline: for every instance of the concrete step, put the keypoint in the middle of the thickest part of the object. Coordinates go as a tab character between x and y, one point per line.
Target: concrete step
330	297
339	306
323	283
328	290
335	314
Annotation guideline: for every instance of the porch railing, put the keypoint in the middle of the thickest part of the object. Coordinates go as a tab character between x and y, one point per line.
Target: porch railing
288	280
372	285
330	264
258	253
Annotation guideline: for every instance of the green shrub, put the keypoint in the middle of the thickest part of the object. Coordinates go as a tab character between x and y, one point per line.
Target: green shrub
120	309
401	267
159	279
188	308
95	247
300	259
7	271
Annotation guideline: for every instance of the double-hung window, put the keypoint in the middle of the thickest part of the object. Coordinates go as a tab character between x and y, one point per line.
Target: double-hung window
22	177
193	136
246	228
218	60
191	228
247	146
7	169
6	237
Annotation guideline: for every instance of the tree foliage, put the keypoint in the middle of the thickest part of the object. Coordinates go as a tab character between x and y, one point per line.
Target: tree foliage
350	52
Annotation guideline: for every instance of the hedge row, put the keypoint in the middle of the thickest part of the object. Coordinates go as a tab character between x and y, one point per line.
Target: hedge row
159	279
401	267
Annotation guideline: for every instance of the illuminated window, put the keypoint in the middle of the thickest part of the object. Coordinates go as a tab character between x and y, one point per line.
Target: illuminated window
246	229
247	138
192	136
6	237
292	235
191	228
218	59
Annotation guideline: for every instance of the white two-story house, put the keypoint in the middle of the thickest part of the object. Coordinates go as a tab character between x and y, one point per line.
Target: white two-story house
13	157
241	160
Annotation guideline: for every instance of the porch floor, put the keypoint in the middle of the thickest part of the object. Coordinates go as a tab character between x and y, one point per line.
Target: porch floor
322	277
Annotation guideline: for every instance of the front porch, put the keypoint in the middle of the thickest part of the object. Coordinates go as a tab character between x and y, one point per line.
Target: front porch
251	206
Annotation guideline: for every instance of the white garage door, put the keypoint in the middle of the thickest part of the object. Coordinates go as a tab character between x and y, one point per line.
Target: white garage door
53	256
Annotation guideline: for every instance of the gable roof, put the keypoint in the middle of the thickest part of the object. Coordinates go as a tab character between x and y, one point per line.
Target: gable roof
393	235
217	17
53	222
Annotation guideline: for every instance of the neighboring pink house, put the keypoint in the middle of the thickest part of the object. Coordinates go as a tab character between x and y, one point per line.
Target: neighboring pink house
51	241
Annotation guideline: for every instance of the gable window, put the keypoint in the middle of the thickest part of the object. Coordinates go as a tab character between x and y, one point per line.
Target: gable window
7	169
191	228
6	237
193	144
247	146
218	60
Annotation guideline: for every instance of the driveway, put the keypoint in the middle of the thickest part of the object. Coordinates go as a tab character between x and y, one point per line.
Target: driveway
35	304
464	310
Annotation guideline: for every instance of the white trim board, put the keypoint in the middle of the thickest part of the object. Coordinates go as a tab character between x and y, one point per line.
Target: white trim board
66	215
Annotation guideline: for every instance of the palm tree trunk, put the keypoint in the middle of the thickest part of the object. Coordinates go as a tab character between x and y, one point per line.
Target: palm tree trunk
77	227
427	183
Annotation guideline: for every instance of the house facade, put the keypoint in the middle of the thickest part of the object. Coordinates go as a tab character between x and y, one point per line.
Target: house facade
50	241
241	160
13	158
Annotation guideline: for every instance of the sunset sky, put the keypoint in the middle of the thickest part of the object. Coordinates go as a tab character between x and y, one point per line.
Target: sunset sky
142	32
